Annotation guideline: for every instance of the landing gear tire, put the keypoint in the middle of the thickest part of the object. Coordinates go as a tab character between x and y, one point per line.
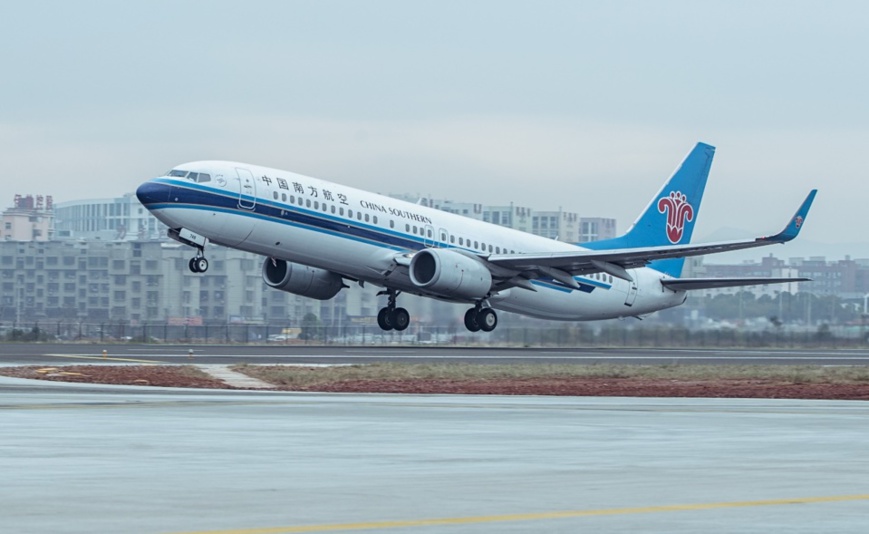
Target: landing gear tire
384	319
198	264
397	319
390	317
471	320
400	319
487	319
484	319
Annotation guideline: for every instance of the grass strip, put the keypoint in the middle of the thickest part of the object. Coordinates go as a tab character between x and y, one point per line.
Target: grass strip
302	376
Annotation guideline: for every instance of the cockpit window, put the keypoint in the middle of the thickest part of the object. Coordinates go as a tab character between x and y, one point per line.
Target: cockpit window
192	176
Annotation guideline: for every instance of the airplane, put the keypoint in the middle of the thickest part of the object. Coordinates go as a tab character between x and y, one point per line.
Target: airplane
317	235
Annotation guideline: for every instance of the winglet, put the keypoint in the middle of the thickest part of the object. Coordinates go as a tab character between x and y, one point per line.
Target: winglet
796	223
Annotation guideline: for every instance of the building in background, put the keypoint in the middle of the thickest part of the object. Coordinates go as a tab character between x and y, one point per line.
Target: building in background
148	282
596	229
108	219
131	281
110	260
559	225
562	225
29	219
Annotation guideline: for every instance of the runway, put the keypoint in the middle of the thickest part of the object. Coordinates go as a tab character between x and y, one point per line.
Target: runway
59	354
85	458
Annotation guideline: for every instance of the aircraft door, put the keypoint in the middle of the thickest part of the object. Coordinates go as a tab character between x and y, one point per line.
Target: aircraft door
237	226
632	291
246	189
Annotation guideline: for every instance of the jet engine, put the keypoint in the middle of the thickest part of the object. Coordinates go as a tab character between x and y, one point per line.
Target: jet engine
301	280
447	273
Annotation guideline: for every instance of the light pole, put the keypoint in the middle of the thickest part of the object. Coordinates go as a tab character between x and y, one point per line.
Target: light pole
18	299
809	310
780	311
865	316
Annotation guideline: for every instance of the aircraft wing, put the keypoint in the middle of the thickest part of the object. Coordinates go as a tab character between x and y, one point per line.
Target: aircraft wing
562	266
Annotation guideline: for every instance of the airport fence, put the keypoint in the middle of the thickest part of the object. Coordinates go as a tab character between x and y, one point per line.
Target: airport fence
565	335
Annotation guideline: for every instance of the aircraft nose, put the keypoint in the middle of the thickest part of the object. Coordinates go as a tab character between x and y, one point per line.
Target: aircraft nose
153	193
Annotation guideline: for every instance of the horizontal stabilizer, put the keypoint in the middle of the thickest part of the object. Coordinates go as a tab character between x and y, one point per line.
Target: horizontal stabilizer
689	284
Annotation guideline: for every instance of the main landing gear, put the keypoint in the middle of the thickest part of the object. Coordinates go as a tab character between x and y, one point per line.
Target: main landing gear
198	263
390	317
480	318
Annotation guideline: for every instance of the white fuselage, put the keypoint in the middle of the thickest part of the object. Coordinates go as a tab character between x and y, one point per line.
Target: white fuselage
359	234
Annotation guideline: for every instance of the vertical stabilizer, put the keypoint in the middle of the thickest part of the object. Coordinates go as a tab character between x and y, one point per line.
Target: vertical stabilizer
670	217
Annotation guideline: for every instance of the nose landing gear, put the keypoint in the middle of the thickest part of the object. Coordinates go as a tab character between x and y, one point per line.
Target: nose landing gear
198	263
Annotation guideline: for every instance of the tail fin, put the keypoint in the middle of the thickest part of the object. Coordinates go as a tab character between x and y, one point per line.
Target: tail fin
670	217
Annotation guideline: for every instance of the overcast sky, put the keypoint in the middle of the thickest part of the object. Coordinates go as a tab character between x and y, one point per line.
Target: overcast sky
587	106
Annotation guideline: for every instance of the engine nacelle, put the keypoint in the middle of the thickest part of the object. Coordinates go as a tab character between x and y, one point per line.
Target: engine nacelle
450	274
301	280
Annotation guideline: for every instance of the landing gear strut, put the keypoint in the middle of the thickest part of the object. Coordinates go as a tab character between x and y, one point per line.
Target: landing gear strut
480	318
198	263
390	317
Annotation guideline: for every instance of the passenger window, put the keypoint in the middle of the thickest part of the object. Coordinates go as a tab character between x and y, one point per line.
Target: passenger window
461	241
275	194
350	213
452	239
428	233
359	215
497	250
325	208
407	228
415	230
204	177
366	217
391	223
308	202
283	197
333	209
316	205
374	219
341	212
476	244
292	199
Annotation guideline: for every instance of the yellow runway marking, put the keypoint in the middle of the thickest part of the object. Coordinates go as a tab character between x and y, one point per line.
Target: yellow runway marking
106	359
532	516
